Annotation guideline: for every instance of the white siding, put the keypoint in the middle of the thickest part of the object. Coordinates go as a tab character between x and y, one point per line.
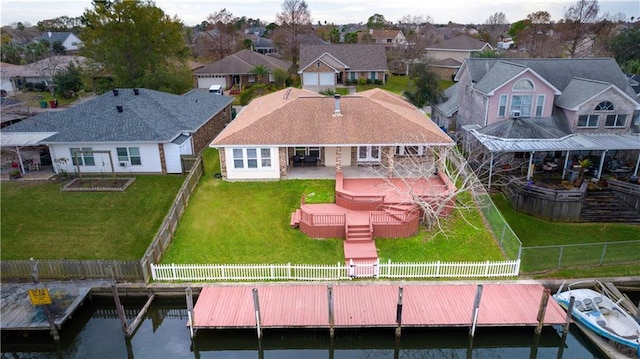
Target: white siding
330	156
253	173
186	148
172	158
149	157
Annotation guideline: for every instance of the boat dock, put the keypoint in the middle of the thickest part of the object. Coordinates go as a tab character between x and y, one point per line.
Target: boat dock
372	305
18	313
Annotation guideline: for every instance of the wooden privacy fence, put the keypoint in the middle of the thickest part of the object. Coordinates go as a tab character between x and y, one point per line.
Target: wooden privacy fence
73	269
308	272
168	227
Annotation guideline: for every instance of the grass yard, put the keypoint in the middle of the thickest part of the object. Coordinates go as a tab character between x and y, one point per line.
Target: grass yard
584	260
40	221
248	222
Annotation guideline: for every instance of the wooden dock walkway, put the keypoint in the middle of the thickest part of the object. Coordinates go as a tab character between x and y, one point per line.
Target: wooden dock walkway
18	313
356	306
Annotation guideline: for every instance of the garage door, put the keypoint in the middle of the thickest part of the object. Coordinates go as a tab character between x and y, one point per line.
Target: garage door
310	78
326	79
206	82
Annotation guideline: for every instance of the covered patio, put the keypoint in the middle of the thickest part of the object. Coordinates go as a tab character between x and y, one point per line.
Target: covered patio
574	145
21	151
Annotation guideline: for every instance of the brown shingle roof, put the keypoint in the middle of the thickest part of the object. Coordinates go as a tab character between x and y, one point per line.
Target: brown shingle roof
363	57
461	42
300	117
242	62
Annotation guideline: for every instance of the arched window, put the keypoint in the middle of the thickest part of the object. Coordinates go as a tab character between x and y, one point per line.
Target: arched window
604	106
523	85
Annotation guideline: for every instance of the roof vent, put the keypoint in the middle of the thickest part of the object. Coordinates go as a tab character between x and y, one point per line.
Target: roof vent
119	108
136	92
115	92
336	111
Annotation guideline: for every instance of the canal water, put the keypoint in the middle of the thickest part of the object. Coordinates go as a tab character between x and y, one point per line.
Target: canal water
95	332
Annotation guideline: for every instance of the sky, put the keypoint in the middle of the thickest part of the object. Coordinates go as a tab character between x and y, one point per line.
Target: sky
193	12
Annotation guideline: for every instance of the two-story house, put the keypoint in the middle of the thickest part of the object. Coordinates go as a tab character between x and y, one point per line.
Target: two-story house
550	109
389	38
447	56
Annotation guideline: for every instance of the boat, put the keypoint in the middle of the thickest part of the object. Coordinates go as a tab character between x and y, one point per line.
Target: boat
601	315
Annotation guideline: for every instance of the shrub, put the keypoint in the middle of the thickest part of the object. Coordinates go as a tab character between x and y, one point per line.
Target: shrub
246	96
362	81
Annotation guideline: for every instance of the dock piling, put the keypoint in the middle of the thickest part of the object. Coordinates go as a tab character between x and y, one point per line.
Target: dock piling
331	316
476	307
189	298
45	307
542	310
399	313
256	308
567	322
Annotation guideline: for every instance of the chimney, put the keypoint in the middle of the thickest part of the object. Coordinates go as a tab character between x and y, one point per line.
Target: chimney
336	111
119	108
136	92
115	92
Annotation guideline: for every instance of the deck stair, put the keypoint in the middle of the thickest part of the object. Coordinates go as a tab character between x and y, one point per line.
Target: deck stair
603	206
359	233
295	218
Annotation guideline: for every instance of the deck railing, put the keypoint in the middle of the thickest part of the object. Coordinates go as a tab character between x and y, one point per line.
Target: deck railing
381	217
322	219
310	272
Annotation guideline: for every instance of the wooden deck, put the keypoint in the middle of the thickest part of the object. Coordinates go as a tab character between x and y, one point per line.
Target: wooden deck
18	313
366	306
370	207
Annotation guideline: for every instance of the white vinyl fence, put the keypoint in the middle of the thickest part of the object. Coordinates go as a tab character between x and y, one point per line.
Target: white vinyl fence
309	272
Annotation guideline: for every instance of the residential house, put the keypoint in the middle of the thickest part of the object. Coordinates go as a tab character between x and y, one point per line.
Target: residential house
237	70
15	77
126	130
550	110
295	127
69	40
390	38
8	77
447	55
445	113
324	67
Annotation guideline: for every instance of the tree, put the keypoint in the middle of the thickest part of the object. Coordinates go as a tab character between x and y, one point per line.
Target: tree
428	89
134	41
625	45
260	71
351	38
532	34
496	25
225	34
11	53
68	81
486	54
575	26
280	77
57	48
294	18
377	22
36	51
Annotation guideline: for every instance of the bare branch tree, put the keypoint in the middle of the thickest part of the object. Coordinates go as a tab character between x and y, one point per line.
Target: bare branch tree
496	25
296	19
575	26
222	35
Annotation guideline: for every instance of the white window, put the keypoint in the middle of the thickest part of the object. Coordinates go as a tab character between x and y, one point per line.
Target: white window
252	78
369	153
410	150
523	85
84	156
253	158
502	109
604	106
522	103
616	121
588	121
130	154
540	106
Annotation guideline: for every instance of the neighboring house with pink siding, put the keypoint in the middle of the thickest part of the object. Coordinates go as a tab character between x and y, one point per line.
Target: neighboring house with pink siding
550	108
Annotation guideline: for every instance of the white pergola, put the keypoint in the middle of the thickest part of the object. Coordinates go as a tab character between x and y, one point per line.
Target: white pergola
22	139
573	142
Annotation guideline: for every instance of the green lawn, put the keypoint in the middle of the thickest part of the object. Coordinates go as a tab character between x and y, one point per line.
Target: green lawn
581	261
40	221
248	222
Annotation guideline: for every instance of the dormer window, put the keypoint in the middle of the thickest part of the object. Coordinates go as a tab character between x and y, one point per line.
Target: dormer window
604	106
523	85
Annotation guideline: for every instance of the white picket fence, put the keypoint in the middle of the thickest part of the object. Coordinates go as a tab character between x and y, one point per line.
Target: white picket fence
308	272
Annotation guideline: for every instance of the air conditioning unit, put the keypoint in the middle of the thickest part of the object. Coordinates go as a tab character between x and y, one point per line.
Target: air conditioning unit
515	113
123	164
